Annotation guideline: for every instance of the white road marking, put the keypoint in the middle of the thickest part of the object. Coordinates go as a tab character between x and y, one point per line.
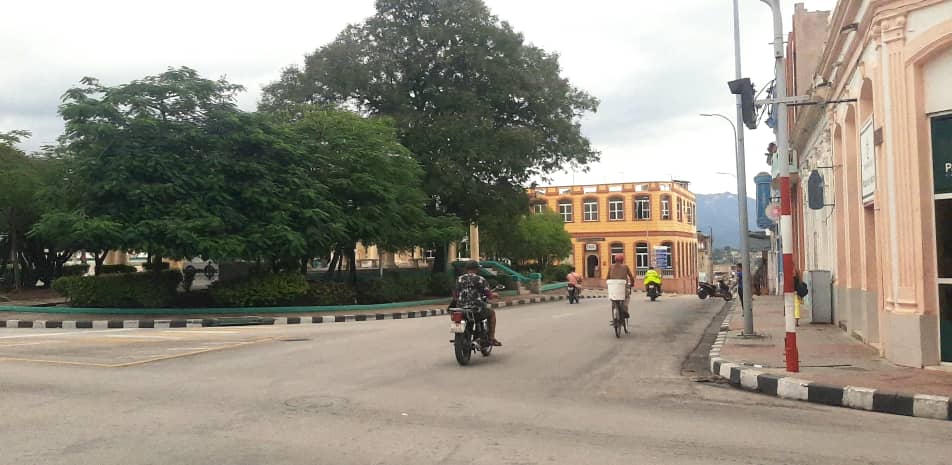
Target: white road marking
70	333
17	344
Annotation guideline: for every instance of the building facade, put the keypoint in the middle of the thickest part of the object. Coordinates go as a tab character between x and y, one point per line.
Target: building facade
880	156
652	223
705	258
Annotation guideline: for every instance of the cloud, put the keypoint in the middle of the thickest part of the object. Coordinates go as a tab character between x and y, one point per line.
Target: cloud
653	65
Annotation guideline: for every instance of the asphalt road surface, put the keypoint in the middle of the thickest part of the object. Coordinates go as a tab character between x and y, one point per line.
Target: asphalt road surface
563	390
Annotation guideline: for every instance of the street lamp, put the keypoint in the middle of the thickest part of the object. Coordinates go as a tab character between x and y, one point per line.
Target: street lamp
746	300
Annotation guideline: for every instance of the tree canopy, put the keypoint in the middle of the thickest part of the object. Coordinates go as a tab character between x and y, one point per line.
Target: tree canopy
538	237
482	110
169	165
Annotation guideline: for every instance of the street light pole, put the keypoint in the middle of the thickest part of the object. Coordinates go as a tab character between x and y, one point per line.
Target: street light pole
747	302
786	221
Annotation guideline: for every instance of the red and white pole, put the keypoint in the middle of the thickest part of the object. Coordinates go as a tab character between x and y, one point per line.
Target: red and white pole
786	221
786	240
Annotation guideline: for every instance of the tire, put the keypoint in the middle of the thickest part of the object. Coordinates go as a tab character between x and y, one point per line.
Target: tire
654	297
624	324
616	317
702	294
463	347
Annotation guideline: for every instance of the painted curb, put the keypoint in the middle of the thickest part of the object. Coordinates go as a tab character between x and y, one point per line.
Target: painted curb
748	377
296	320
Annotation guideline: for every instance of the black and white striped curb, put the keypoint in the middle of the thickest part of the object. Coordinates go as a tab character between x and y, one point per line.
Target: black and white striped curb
748	377
291	320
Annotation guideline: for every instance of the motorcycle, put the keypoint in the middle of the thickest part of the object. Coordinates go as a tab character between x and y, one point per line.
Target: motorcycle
470	328
654	291
573	293
705	290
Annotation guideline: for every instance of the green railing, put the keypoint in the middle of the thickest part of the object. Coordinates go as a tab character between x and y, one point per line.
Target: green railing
515	275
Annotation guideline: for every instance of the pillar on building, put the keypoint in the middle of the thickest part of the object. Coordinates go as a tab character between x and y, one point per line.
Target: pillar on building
451	252
117	257
474	241
387	259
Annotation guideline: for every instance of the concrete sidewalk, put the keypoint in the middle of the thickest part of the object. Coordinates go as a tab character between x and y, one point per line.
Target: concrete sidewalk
830	361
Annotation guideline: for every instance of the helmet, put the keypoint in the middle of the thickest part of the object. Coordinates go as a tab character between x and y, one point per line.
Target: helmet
471	265
619	258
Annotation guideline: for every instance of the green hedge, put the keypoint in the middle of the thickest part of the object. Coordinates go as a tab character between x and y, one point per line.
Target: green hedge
133	290
323	294
557	273
270	290
75	270
115	269
162	266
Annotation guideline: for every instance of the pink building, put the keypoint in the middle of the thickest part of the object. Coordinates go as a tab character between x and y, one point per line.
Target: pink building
883	146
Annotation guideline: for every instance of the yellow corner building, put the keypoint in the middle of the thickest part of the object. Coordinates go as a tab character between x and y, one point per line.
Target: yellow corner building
652	223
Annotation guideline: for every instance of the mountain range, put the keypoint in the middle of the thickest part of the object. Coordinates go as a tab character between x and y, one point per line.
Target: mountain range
718	213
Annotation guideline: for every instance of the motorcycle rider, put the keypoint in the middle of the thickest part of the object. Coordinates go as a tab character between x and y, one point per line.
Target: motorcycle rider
652	276
575	279
619	270
470	290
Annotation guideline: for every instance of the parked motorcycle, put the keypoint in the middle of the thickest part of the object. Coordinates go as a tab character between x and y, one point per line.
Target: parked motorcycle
705	290
654	291
470	328
574	292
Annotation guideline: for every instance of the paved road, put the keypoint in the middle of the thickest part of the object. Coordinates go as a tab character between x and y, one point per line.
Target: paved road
562	391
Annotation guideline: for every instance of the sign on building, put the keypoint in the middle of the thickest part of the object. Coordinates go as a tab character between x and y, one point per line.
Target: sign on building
662	257
868	160
591	247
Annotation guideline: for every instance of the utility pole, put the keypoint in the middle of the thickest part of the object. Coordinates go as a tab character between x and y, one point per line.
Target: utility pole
747	300
786	221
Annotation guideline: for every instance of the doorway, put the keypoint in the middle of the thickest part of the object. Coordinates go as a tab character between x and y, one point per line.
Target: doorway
591	266
942	179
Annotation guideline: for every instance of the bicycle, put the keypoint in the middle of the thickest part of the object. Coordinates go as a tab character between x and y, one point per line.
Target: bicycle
619	323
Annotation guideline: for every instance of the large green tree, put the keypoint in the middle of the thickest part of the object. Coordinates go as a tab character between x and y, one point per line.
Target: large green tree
28	181
482	110
169	165
373	179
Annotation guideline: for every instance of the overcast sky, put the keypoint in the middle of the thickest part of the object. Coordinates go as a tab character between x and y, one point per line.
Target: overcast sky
654	65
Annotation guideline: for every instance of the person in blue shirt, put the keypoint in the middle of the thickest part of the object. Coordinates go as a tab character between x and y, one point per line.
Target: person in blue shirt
740	283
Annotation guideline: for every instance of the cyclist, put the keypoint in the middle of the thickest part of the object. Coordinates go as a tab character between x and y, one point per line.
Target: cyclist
619	270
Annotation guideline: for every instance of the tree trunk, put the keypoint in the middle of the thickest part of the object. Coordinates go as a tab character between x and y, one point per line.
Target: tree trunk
14	253
440	259
100	259
353	268
304	261
332	266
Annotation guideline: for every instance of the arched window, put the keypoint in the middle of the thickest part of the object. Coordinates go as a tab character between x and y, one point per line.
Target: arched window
616	209
643	207
641	255
680	210
669	253
616	248
590	209
565	209
665	207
